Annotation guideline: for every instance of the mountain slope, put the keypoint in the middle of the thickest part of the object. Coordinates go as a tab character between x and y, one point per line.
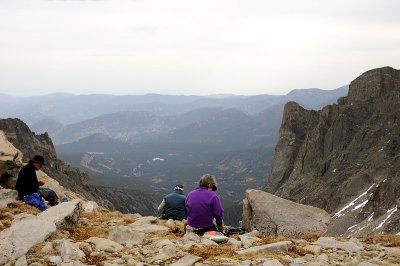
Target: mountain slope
19	134
330	157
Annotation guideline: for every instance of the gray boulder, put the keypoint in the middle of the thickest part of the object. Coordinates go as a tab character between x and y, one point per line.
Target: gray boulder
187	260
278	246
28	230
125	235
273	215
104	244
332	243
70	251
7	196
66	214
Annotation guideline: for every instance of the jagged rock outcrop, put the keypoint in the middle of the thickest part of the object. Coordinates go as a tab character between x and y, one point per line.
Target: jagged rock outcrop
330	157
19	134
273	215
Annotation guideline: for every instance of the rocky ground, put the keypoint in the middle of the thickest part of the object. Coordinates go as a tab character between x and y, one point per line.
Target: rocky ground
108	238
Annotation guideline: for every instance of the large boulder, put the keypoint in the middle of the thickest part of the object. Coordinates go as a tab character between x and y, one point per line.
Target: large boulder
64	215
10	162
272	215
29	230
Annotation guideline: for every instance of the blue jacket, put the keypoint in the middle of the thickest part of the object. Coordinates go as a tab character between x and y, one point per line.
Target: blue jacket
35	200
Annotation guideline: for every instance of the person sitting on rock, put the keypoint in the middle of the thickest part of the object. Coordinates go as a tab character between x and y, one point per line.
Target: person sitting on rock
203	207
173	205
27	183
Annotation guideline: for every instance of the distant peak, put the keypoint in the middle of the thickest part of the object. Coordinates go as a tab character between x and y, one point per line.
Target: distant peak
376	83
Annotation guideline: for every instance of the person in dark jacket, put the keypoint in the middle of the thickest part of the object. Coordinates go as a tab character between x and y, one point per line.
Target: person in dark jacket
173	205
27	183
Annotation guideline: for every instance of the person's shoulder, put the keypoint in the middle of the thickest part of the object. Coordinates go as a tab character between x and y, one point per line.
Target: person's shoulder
211	194
169	195
194	191
25	167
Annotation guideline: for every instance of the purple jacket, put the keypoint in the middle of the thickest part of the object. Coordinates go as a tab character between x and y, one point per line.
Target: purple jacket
202	206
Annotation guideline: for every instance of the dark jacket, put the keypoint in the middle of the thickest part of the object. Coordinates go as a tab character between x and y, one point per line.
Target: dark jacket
175	206
27	182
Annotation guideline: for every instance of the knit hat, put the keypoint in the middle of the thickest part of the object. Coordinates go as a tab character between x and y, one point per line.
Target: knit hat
179	187
38	159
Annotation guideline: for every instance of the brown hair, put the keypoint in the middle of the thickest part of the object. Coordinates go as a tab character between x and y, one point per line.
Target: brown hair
208	179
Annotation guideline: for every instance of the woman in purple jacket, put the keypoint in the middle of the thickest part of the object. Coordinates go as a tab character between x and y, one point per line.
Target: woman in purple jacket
203	206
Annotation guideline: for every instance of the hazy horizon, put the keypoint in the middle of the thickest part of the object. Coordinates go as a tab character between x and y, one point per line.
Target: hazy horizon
216	95
180	47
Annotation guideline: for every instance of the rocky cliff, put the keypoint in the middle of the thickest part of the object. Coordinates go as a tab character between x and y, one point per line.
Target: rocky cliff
27	144
345	157
19	134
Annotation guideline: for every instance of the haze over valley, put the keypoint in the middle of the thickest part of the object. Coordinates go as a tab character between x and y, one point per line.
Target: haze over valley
150	142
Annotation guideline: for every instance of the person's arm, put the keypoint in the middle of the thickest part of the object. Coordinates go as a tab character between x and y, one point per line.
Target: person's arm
218	213
185	209
220	225
161	207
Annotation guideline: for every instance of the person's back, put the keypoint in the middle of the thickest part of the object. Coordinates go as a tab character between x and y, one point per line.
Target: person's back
175	206
203	206
27	182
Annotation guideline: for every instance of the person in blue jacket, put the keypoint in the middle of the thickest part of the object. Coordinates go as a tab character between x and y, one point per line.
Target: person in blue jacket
173	205
27	183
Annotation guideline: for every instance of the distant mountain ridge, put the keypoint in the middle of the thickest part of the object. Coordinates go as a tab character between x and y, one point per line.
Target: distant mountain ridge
68	108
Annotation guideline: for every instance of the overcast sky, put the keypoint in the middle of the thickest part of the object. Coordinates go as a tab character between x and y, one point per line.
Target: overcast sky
192	47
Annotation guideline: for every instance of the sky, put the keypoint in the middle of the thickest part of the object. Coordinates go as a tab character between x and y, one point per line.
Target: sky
187	47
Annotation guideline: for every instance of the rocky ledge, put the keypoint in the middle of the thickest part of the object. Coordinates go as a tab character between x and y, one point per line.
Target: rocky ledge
74	236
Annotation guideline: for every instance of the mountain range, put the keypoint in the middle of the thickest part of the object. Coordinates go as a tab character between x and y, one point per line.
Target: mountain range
68	108
153	141
343	158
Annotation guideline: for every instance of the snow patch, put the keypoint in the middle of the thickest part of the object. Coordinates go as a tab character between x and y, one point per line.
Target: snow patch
361	228
360	205
340	213
371	217
390	213
351	227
